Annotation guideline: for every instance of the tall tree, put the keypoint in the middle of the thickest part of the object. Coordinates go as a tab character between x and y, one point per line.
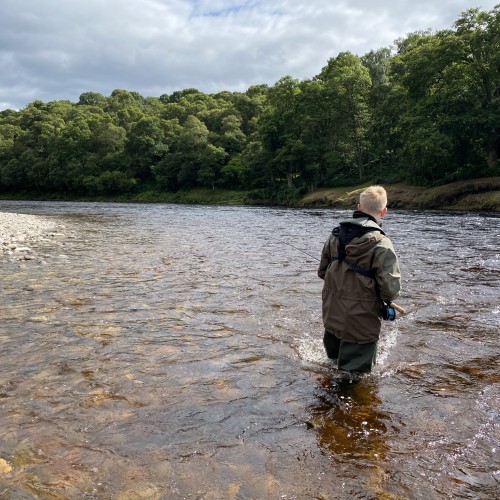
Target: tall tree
280	129
145	147
347	89
386	107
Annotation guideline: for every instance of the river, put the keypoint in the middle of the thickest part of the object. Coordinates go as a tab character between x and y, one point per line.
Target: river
169	351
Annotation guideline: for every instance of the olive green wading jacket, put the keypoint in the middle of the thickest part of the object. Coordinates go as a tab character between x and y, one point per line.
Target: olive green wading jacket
352	302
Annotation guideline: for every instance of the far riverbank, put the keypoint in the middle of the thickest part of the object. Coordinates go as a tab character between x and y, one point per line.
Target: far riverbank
476	195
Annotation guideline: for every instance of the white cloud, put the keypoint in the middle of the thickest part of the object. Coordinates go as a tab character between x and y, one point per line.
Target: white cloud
58	49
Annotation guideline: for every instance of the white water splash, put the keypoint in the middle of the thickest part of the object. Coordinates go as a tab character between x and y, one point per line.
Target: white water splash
311	351
387	342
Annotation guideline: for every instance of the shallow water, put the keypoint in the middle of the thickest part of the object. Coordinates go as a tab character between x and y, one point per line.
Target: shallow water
171	351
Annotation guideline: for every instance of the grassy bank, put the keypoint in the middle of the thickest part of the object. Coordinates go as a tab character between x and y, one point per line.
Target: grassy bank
195	197
473	195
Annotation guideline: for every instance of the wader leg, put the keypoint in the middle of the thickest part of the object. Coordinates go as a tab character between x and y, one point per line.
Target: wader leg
332	345
357	357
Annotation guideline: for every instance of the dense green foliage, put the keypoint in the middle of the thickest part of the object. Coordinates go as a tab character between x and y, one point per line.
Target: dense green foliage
426	111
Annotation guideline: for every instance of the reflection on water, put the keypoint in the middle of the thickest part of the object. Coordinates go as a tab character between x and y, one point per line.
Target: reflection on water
176	352
347	420
355	434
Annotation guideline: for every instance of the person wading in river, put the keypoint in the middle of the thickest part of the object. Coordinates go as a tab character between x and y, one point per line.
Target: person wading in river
361	277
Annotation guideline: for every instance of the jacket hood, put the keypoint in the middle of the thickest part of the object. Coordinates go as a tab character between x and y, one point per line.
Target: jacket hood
362	222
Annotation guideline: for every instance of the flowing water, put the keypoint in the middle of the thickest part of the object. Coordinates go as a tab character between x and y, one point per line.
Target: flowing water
170	351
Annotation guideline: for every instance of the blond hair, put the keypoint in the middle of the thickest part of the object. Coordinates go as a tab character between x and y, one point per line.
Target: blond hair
373	199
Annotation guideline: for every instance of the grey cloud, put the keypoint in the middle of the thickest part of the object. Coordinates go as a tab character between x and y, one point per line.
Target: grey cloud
58	49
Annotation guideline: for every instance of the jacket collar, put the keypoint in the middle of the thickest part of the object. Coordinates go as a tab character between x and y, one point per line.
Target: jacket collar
358	214
361	219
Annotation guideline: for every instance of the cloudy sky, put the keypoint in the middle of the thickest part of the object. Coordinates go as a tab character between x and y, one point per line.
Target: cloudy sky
58	49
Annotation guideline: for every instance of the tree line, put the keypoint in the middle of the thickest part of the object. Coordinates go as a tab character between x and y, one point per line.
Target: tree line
426	111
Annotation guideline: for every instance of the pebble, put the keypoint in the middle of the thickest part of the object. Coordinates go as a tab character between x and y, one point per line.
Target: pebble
19	232
5	467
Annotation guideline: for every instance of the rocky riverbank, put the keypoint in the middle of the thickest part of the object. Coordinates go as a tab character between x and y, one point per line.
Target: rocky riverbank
21	234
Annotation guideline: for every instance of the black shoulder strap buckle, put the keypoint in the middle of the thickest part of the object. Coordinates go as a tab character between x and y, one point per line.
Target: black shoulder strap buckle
361	270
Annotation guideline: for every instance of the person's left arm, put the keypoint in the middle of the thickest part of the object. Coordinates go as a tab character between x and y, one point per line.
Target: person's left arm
388	275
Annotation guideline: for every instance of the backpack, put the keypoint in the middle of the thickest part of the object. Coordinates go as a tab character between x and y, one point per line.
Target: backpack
345	232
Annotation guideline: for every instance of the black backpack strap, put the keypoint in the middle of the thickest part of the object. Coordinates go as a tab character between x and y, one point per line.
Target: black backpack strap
361	270
345	233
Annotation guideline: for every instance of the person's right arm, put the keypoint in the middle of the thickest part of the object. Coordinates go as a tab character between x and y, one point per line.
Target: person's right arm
325	260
